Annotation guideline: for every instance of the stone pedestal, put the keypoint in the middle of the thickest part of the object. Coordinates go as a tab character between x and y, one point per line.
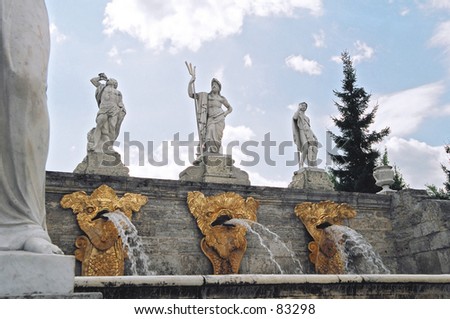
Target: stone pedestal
102	164
25	274
215	168
311	178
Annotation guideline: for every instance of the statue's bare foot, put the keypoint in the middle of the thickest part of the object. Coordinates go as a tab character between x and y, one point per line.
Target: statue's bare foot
41	246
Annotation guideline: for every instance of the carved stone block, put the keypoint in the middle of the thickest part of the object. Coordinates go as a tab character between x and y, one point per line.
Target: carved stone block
310	178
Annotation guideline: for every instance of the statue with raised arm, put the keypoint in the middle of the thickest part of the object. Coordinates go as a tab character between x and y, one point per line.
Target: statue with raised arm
210	115
304	138
24	126
110	114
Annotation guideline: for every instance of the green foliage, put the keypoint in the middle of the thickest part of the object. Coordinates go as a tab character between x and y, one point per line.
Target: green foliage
442	193
438	193
384	158
354	168
399	182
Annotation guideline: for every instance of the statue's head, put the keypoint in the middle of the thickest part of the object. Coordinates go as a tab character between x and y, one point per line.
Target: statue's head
216	86
112	82
303	106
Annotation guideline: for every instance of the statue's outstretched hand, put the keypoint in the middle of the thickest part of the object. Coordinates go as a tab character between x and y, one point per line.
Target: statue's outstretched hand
191	70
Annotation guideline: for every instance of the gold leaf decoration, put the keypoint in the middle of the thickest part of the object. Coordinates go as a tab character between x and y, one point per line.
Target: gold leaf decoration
224	244
100	251
324	253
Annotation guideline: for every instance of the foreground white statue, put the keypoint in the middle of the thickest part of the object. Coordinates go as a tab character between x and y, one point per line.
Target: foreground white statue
24	126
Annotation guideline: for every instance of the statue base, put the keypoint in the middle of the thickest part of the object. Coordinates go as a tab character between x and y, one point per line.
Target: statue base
311	178
23	274
215	168
102	164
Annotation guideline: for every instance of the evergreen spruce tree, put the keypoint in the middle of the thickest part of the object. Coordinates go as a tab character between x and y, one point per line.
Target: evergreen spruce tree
354	168
447	172
442	193
399	182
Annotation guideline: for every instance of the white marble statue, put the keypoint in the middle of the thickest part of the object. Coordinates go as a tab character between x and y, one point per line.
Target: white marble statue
110	114
24	126
210	115
304	138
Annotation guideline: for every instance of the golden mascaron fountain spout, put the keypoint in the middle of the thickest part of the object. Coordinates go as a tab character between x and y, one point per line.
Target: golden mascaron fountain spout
224	244
100	251
316	217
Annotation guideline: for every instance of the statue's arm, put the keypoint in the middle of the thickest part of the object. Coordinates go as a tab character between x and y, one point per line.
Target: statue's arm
121	105
228	106
191	91
96	80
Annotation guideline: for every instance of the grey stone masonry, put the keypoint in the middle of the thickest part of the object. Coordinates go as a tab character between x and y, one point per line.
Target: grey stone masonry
422	233
409	231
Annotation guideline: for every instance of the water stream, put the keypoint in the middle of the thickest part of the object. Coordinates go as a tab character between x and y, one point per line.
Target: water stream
132	244
269	238
358	254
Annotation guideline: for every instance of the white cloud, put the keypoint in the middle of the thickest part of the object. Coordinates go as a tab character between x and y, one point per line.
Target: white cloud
446	110
302	65
404	11
404	111
57	35
258	180
439	4
188	24
361	53
255	109
219	74
239	133
319	39
161	161
114	55
293	107
248	61
441	36
418	162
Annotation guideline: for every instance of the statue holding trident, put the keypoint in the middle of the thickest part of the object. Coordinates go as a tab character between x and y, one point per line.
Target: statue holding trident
211	166
210	115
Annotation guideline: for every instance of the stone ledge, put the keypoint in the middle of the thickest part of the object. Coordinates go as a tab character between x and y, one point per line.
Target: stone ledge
269	286
23	273
202	280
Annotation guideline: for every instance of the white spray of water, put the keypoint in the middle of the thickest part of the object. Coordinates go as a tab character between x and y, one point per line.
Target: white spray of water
132	244
358	254
265	237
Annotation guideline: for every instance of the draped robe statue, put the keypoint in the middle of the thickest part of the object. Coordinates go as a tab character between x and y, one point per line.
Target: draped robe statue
24	125
304	138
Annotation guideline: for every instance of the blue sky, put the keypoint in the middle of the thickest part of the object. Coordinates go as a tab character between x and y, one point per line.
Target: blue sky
269	55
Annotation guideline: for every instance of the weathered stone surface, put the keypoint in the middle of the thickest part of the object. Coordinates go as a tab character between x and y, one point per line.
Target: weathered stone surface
420	232
215	168
270	286
103	164
23	274
311	178
171	236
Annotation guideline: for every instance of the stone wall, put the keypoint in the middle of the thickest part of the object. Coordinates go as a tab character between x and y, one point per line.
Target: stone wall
422	233
172	238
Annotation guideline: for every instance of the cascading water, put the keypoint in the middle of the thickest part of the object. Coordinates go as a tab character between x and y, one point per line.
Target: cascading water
132	244
358	254
265	237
